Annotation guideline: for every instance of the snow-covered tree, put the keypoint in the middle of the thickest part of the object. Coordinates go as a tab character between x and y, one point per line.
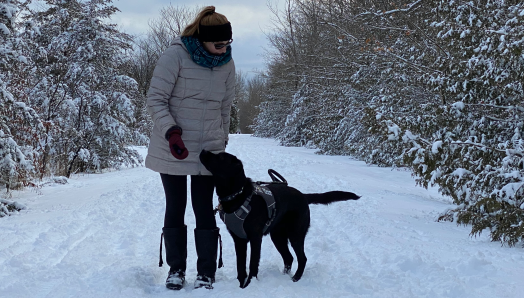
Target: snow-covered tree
18	122
477	157
240	95
85	101
248	105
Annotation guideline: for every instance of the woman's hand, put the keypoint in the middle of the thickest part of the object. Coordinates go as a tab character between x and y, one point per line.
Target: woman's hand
178	149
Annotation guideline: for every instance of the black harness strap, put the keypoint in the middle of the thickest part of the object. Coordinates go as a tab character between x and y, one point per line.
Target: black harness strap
265	193
235	221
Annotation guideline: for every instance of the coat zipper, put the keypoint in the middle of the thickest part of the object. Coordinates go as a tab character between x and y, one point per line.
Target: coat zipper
202	120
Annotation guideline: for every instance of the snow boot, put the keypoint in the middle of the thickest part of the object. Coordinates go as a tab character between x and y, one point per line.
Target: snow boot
206	243
175	280
176	254
203	281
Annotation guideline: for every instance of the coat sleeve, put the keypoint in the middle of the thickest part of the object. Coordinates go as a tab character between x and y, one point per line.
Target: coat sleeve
164	79
228	101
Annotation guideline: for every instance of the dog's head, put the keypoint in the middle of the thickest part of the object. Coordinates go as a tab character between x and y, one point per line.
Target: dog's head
227	170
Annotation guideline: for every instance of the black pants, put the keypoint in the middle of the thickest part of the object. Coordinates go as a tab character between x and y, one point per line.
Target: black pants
202	188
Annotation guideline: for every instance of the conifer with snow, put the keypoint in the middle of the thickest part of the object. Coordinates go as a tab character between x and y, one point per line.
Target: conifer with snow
82	96
18	122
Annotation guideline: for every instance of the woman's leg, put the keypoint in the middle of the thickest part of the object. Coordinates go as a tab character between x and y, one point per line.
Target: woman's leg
202	188
175	188
206	232
175	231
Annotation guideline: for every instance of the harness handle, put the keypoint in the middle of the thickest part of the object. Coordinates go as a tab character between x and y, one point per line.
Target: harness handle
276	177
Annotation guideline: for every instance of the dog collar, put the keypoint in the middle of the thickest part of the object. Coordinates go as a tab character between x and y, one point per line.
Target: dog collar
231	197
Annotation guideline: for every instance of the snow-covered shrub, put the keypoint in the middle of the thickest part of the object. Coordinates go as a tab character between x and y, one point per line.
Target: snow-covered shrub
8	207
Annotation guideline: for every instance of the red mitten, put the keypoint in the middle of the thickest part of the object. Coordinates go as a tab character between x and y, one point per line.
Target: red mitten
178	149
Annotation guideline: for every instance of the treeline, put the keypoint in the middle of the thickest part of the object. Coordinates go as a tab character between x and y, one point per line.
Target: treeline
67	102
435	86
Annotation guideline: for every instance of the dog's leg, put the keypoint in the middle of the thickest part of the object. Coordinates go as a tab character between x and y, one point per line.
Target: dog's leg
256	246
298	247
241	252
279	238
297	238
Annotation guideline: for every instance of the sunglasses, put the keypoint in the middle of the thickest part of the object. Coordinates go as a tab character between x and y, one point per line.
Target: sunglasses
218	46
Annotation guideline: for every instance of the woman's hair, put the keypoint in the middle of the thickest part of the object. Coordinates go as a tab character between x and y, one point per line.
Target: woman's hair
207	17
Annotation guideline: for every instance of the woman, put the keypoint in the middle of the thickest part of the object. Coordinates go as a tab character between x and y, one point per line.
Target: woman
189	100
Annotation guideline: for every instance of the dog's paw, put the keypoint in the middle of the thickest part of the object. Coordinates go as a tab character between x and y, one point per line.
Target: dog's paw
296	278
287	269
245	282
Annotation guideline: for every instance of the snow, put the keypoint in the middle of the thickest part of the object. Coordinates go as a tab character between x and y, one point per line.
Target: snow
408	135
459	105
437	173
436	146
509	191
460	172
84	154
4	29
22	59
393	129
98	236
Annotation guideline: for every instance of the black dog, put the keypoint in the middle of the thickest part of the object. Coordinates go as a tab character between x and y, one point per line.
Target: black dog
289	223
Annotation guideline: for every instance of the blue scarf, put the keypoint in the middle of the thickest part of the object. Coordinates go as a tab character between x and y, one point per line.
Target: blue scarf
202	57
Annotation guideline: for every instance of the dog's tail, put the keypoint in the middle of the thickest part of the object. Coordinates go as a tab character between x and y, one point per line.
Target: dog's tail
330	197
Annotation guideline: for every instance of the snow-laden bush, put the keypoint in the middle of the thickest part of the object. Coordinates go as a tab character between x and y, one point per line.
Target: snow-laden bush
8	207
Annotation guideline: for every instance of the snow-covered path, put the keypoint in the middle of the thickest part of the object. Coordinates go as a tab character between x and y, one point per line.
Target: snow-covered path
98	236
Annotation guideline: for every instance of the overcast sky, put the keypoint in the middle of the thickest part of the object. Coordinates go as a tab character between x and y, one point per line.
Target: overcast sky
249	19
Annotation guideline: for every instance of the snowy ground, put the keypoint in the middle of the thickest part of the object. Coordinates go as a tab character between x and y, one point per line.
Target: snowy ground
98	236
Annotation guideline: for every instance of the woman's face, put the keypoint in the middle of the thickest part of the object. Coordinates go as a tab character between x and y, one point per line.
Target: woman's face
210	47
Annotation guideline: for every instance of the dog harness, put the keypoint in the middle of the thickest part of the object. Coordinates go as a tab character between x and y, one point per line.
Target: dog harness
235	221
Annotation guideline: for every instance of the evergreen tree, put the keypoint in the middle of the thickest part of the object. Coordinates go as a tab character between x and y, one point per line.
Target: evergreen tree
18	122
86	103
